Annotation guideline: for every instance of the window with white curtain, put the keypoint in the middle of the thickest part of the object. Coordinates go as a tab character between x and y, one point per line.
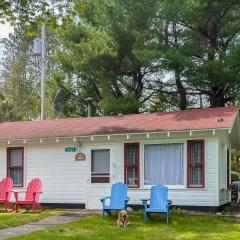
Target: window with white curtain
163	164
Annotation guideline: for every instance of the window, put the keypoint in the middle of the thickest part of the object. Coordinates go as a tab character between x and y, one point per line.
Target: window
222	167
163	164
15	165
100	166
228	168
131	161
195	158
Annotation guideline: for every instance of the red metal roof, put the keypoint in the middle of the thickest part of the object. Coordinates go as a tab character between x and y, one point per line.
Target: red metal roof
197	119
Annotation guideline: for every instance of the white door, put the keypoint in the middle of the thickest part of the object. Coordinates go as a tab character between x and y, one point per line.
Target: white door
101	174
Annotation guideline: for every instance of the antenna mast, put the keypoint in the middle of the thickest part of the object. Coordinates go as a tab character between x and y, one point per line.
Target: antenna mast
43	77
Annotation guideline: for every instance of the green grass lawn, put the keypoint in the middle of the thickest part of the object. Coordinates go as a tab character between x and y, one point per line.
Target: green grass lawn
11	219
180	227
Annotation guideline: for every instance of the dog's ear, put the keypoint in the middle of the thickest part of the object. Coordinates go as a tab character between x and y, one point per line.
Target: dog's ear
120	214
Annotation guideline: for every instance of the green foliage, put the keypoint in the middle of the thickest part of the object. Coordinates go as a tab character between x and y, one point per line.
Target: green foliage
235	160
179	227
133	56
20	77
11	219
109	47
123	105
235	176
179	211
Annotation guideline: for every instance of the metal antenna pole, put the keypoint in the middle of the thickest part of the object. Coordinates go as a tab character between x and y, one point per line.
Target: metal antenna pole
43	78
89	106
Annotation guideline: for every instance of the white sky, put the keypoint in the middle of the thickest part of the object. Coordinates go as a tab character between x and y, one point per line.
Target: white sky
5	29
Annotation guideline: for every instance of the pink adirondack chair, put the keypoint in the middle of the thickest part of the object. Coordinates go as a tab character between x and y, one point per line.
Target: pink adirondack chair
32	195
5	192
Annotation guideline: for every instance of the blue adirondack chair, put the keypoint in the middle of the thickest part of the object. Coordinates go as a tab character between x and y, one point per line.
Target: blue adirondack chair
118	199
159	202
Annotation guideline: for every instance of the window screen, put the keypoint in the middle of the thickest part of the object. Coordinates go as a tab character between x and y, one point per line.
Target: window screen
15	165
100	166
132	164
196	163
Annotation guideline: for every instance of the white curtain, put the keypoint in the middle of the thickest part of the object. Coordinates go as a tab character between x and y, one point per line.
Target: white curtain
163	164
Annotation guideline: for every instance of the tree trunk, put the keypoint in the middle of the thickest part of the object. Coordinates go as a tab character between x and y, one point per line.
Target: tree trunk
217	98
181	91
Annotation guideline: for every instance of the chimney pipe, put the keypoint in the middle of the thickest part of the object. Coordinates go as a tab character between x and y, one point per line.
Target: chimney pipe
89	106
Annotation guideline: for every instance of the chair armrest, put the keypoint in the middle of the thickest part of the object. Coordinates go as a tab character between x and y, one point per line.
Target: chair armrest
103	199
169	203
145	202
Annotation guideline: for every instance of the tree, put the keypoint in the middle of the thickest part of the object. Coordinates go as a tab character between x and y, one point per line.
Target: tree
147	55
109	52
213	32
235	160
20	78
29	11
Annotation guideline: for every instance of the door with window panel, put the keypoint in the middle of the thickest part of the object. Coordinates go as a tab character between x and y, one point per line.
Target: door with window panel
101	173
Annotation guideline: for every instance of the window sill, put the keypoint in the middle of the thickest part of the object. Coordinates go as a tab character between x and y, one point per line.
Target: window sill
223	189
176	187
170	187
18	186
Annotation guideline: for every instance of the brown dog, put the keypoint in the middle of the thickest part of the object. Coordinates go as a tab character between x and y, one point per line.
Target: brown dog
123	219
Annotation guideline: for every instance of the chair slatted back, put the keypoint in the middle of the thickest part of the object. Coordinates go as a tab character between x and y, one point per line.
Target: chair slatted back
159	197
118	195
34	188
6	187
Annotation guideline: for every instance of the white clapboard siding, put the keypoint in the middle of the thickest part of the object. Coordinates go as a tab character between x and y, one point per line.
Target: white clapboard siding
185	196
224	144
68	181
64	179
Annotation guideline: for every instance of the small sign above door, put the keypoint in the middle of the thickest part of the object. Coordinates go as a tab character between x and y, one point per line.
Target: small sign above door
70	149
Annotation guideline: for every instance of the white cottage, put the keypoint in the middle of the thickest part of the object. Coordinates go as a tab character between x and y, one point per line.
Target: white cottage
79	159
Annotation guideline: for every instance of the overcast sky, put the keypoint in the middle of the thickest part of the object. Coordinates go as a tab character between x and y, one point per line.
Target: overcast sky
4	32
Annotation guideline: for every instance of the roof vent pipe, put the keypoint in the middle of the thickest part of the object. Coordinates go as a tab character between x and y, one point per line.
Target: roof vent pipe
89	106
